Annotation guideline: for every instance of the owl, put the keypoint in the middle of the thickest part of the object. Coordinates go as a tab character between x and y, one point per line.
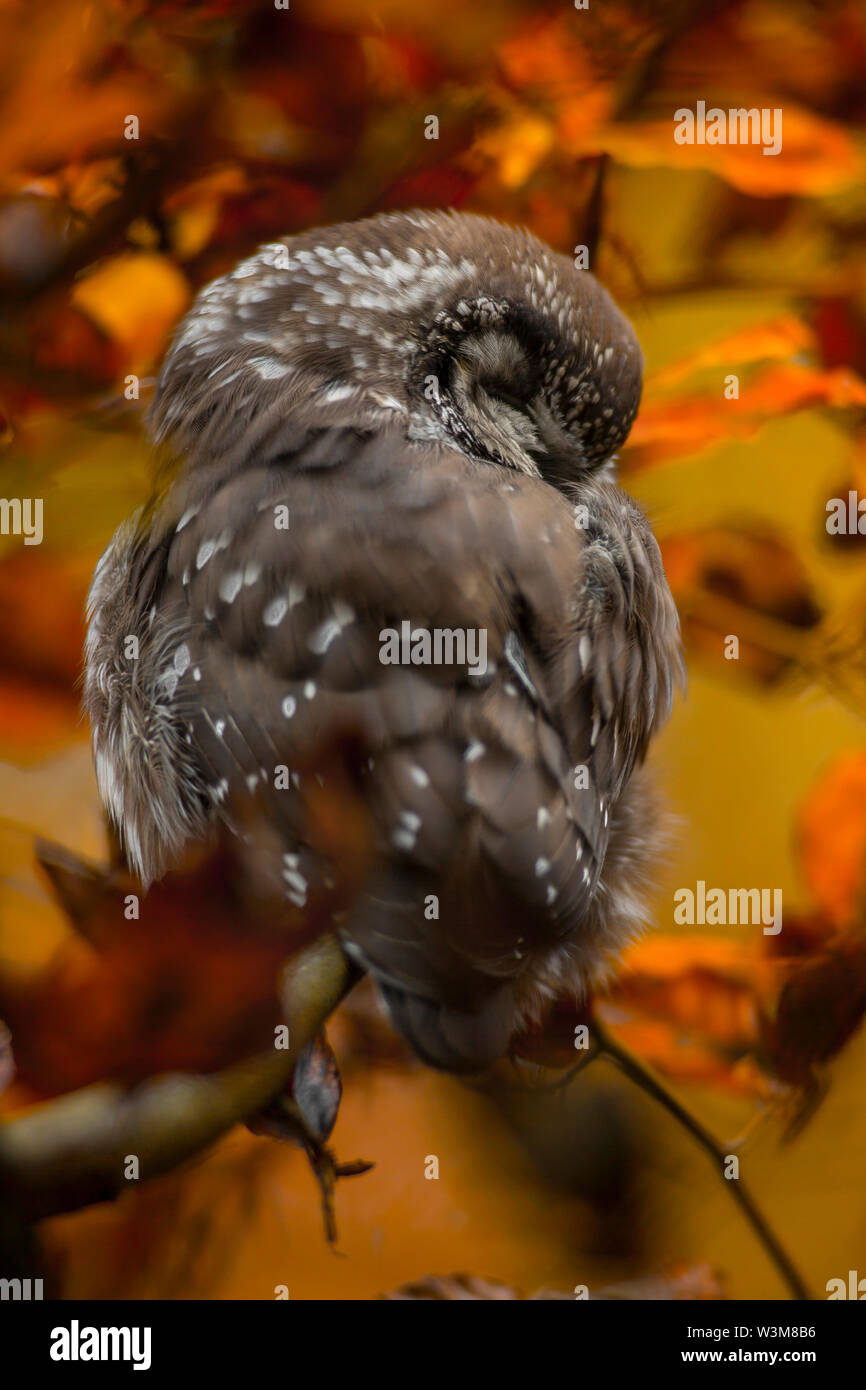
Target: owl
386	503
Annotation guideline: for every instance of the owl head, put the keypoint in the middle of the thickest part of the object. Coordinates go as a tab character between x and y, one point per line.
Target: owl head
454	326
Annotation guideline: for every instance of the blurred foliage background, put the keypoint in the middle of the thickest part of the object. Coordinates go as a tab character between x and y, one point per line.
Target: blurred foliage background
252	121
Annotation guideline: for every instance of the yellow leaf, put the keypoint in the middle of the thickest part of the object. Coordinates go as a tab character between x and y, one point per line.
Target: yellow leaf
136	298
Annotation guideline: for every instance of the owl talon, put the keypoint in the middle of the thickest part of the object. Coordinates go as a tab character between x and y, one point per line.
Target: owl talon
305	1115
326	1171
285	1120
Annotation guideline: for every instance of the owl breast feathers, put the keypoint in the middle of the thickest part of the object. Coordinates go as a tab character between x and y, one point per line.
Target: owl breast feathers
384	443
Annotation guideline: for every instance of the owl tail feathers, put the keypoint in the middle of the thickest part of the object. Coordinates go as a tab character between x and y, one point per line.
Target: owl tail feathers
451	1039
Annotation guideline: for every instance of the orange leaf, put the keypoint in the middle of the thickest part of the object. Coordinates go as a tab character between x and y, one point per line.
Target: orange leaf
688	424
817	157
832	838
777	338
136	298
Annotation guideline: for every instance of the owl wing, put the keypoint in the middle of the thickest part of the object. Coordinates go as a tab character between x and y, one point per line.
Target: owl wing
266	598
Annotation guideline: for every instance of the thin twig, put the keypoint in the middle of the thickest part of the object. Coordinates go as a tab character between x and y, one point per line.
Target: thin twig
652	1085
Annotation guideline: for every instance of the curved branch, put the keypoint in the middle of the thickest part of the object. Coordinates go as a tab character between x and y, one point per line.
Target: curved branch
632	1067
71	1152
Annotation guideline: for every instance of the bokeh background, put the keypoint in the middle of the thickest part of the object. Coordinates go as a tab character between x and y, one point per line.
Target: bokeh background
253	121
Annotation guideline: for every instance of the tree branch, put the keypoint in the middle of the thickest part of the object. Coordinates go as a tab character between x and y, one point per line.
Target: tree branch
632	1067
71	1152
